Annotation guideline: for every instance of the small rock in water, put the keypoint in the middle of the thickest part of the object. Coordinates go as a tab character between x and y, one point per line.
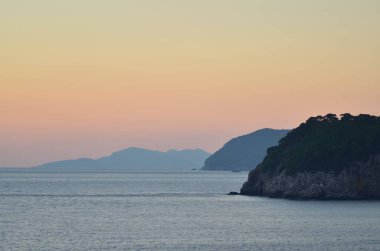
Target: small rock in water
233	193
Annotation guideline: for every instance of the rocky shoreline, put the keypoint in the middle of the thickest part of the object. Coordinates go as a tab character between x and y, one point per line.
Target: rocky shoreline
361	180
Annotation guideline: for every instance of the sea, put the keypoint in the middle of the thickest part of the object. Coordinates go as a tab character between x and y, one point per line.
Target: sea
170	210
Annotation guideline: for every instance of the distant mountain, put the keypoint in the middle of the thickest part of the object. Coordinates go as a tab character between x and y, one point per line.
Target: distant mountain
245	152
136	158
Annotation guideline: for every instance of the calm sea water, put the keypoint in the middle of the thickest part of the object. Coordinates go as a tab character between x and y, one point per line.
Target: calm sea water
171	210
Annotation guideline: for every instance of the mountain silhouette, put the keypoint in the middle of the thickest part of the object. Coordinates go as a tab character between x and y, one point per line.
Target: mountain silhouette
245	152
136	158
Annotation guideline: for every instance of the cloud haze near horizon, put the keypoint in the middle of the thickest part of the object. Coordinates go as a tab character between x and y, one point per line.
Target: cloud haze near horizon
85	78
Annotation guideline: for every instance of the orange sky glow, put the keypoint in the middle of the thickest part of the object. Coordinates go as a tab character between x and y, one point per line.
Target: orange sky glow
85	78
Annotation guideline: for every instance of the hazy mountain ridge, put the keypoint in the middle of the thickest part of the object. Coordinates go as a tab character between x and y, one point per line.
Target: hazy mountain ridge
136	158
245	152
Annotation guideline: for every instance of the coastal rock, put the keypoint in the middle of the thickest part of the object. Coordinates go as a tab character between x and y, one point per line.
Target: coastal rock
324	158
233	193
359	181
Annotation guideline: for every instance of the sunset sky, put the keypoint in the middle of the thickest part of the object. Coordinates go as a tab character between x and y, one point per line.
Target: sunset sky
83	78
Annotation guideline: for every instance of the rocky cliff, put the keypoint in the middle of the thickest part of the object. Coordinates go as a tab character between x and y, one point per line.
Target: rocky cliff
324	158
359	181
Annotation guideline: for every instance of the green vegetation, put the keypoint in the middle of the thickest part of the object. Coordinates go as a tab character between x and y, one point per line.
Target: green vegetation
325	143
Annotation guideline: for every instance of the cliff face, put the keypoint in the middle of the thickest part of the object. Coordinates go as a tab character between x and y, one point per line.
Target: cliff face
361	180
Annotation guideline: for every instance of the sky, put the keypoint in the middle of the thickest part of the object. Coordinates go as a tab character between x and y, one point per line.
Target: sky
84	78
